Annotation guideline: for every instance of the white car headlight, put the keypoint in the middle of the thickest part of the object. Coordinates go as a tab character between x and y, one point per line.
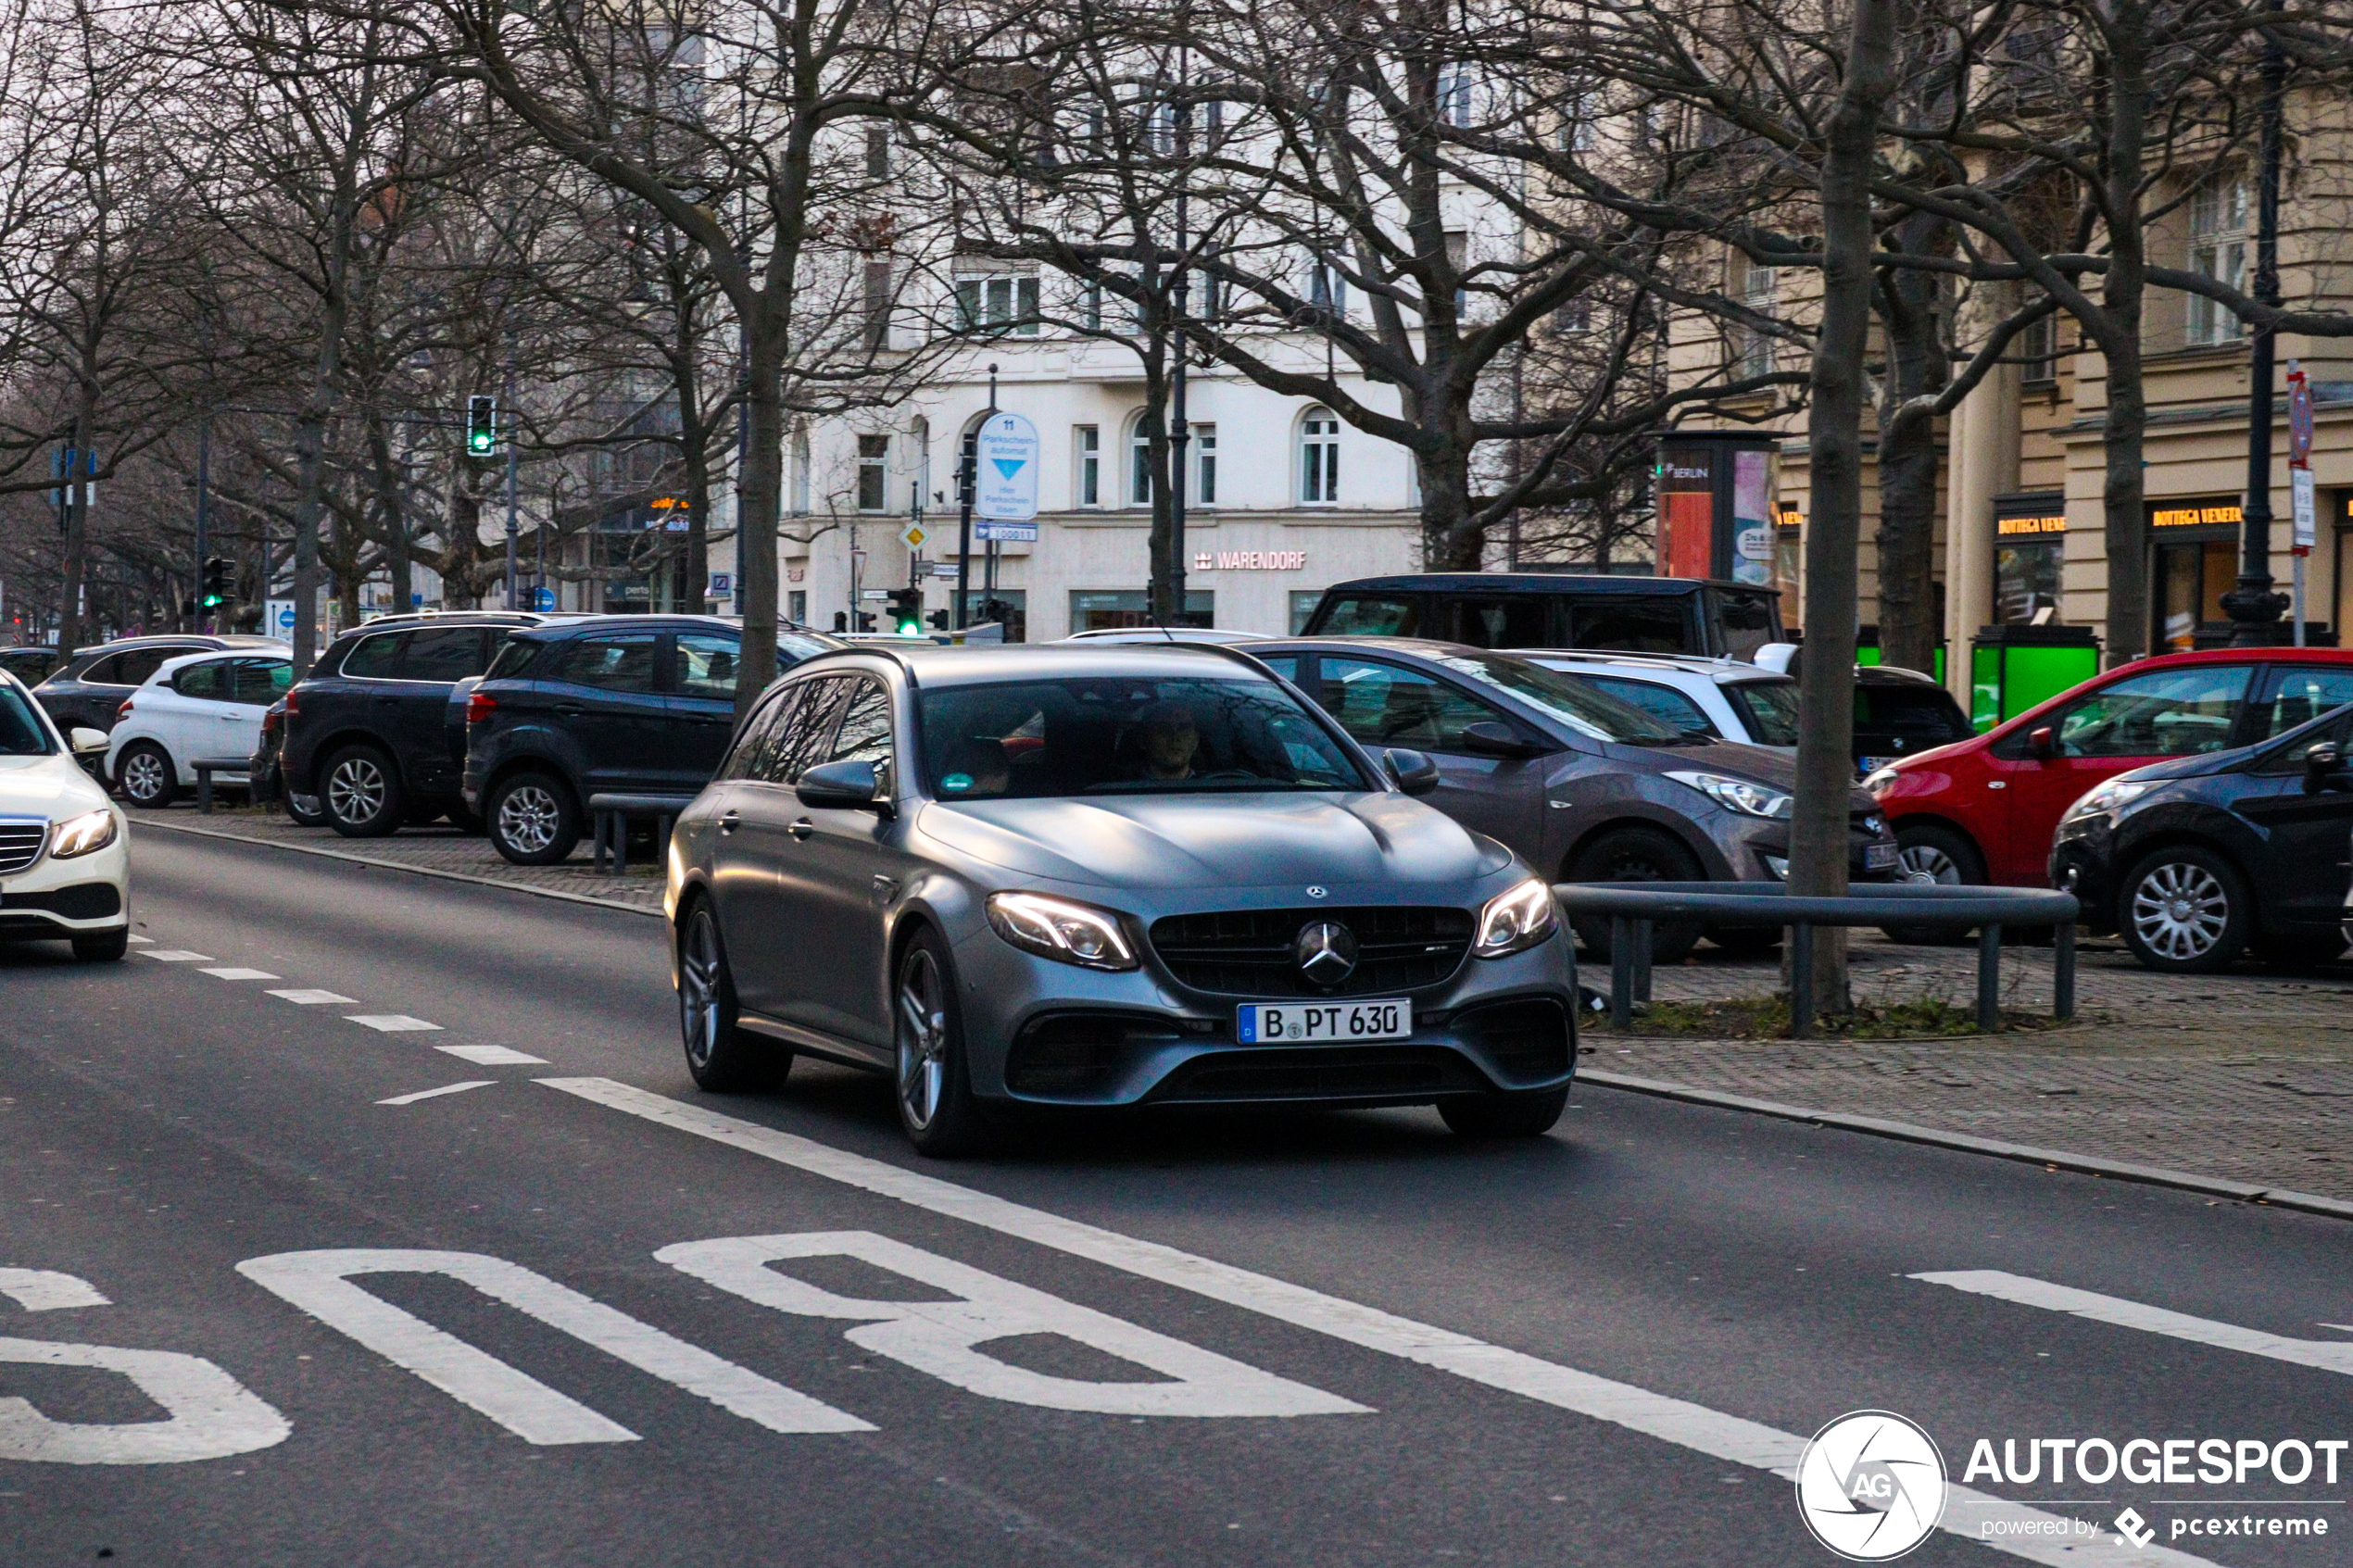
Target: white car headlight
1515	920
2110	796
1878	780
82	836
1738	794
1056	928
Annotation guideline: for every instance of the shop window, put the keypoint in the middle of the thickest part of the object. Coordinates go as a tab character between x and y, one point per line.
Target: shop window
1008	608
1302	605
1104	611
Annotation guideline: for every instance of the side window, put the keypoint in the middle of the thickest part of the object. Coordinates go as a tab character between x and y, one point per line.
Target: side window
806	738
101	672
376	658
1505	622
1283	664
1387	705
707	663
258	682
1634	624
749	758
515	659
865	736
618	661
1665	704
203	681
2168	713
448	654
1355	617
2300	693
134	668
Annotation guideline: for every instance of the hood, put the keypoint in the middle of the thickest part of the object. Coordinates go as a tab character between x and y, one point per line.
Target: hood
46	787
2197	764
1218	840
1771	765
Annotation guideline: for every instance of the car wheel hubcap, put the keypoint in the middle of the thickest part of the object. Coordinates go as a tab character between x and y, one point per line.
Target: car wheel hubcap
356	790
2180	912
923	1038
1926	862
143	777
527	819
700	990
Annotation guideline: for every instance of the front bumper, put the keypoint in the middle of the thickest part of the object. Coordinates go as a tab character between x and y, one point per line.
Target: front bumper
2083	862
1043	1032
53	898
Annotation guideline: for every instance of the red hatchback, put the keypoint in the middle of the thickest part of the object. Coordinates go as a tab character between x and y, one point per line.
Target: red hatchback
1983	809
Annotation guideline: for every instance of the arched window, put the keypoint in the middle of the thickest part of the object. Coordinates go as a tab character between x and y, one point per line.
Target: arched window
1139	464
1319	457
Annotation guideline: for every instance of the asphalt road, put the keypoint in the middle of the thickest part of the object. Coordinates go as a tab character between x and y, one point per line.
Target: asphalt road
438	1331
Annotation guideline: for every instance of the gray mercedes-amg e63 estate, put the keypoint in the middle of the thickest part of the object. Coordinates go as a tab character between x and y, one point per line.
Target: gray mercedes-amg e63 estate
1088	875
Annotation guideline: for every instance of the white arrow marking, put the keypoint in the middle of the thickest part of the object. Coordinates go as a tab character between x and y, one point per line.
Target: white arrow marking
433	1094
2328	1355
212	1415
45	1291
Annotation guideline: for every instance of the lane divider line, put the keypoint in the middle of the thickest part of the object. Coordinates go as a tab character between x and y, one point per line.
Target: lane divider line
2328	1355
235	973
143	941
437	1094
1969	1513
178	954
304	997
493	1056
390	1022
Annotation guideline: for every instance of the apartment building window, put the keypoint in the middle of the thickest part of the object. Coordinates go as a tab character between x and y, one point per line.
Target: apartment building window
797	606
1458	262
2218	250
1007	303
1205	464
1326	290
879	152
1454	96
873	472
1090	307
2038	345
800	471
877	306
1087	441
1139	465
1760	288
1319	457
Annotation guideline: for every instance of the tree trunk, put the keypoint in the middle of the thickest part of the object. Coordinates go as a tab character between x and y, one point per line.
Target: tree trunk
73	564
1818	830
1452	539
2121	297
759	497
1916	367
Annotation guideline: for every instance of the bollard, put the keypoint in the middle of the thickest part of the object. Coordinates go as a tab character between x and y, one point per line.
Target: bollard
1801	981
1989	978
1621	973
2063	972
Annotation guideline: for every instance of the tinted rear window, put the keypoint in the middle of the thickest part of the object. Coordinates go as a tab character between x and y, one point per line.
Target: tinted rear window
1911	713
1645	623
443	653
1769	709
1365	615
376	657
514	659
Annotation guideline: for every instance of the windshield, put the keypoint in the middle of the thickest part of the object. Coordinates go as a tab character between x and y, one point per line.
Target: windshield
1579	704
1032	740
21	732
1769	709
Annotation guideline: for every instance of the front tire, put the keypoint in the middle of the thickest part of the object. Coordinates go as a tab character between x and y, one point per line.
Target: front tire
102	946
1525	1115
145	775
720	1056
1637	855
1929	852
312	816
532	819
931	1080
2185	911
360	792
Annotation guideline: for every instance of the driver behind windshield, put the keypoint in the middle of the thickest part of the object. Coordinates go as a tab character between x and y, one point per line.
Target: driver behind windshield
1171	739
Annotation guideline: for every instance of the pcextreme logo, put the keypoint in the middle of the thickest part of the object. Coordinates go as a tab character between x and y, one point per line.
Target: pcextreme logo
1870	1486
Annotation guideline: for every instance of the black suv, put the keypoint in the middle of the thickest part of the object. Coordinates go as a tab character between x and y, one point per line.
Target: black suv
1549	610
619	704
372	738
88	691
31	665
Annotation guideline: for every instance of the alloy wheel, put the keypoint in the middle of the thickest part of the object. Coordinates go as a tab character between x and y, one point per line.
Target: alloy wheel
1926	862
923	1038
527	819
2179	911
699	989
356	790
142	778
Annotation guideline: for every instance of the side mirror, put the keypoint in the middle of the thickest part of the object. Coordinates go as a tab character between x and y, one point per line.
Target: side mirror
1488	738
2041	743
852	786
1412	772
2322	761
87	742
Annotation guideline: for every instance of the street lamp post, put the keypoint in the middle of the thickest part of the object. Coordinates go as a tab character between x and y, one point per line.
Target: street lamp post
2253	607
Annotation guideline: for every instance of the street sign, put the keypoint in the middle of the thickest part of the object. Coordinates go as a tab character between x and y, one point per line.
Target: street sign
873	594
913	535
280	618
543	599
1005	483
2299	417
2302	506
722	586
947	569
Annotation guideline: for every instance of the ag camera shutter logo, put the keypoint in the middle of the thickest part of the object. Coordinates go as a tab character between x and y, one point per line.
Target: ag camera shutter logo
1870	1486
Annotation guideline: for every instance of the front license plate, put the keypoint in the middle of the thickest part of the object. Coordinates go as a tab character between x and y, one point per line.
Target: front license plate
1313	1023
1870	765
1879	857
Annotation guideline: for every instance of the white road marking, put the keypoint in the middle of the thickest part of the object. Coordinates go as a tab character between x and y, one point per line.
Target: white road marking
177	955
304	998
143	941
436	1094
2328	1355
45	1291
391	1022
240	973
493	1056
317	1283
943	1338
1967	1512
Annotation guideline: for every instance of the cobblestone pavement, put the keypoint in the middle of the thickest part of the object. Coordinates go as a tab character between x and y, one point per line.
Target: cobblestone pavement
437	848
2246	1075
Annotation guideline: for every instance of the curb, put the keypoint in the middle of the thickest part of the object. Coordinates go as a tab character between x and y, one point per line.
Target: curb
1907	1132
144	822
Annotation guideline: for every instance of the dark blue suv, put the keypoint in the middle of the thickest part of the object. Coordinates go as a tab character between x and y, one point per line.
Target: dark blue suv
611	704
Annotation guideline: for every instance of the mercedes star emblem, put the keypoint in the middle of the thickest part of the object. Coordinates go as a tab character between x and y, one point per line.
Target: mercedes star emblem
1327	952
1319	892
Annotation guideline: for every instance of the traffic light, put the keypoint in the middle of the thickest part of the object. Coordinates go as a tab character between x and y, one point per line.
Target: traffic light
482	425
937	620
907	611
214	591
866	621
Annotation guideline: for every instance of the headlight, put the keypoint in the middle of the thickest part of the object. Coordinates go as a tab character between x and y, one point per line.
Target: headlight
81	836
1878	780
1738	794
1055	928
1517	919
2110	796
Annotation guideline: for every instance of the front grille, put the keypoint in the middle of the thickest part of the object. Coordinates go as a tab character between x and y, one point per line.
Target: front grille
21	844
84	900
1248	952
1362	1073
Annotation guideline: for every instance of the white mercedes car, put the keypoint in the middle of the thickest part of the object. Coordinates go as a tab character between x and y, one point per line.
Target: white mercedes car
64	850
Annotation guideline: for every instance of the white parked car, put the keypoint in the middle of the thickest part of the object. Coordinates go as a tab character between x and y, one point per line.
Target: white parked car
198	708
1725	698
64	862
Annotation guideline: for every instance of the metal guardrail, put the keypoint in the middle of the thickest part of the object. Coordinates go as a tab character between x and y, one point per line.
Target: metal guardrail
610	816
1635	907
